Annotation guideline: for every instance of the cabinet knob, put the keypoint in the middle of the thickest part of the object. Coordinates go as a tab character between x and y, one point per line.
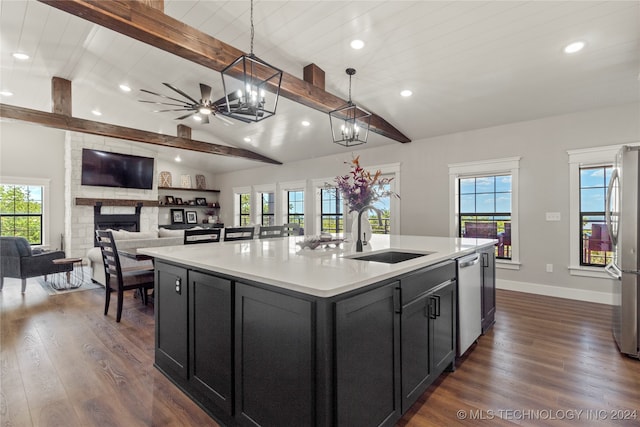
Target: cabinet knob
179	286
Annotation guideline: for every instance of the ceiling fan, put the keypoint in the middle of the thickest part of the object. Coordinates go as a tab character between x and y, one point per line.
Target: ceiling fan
203	108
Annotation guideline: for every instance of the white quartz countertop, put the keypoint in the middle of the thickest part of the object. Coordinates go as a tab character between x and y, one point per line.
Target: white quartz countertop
320	272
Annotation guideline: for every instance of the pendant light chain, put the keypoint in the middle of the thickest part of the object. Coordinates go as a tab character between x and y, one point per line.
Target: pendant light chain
350	88
252	30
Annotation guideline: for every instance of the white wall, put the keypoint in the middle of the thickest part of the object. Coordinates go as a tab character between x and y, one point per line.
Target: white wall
544	186
31	151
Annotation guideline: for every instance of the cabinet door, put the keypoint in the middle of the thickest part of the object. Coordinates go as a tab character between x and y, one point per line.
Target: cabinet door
443	303
367	358
210	334
416	358
170	298
274	359
488	288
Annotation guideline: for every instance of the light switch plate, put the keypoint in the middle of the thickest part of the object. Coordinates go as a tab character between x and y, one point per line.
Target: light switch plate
553	216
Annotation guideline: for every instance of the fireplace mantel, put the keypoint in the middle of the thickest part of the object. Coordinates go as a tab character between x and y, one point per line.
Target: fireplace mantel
81	201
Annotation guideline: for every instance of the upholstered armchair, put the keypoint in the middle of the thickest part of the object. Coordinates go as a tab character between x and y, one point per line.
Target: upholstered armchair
19	261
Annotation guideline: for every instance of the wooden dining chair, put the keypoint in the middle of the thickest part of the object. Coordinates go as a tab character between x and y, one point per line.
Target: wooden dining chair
206	235
118	280
269	231
238	233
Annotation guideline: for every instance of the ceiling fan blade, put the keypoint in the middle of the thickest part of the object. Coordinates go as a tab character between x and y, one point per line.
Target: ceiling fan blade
205	119
185	105
233	96
185	116
205	91
180	92
161	95
177	109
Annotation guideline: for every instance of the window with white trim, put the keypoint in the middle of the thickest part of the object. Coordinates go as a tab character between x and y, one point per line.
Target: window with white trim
484	204
331	211
24	208
589	172
295	207
242	206
485	210
268	209
596	249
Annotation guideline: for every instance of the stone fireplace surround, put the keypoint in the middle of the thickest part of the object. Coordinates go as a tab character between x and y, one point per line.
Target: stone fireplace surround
79	234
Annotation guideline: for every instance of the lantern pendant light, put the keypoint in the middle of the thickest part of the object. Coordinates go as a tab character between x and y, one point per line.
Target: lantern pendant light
350	123
251	87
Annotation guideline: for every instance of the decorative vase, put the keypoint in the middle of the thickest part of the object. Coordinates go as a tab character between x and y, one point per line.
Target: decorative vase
365	227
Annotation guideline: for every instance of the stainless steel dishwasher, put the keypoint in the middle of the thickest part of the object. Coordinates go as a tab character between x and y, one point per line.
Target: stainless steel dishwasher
469	301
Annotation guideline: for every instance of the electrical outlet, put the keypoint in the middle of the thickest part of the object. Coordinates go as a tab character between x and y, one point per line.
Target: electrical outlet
549	268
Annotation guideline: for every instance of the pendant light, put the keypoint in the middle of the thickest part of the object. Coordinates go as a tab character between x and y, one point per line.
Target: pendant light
251	87
350	123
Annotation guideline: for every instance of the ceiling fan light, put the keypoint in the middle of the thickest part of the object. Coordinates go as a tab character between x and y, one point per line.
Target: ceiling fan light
204	110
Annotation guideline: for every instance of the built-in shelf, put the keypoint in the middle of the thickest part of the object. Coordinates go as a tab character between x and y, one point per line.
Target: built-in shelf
189	206
82	201
201	190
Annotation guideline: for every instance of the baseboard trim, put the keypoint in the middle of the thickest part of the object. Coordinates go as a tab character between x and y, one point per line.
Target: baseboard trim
556	291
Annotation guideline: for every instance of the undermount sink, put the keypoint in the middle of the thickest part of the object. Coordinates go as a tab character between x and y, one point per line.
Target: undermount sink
389	257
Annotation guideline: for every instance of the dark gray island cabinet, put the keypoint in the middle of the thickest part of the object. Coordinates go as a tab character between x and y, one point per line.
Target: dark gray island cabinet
253	354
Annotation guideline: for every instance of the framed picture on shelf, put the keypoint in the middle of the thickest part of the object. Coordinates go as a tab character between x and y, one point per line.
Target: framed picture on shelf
170	200
177	216
192	217
178	200
201	201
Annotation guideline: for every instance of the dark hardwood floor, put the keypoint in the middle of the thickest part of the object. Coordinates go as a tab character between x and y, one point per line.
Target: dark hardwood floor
65	364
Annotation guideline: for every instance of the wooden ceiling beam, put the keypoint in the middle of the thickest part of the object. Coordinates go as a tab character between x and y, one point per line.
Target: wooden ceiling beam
66	122
149	25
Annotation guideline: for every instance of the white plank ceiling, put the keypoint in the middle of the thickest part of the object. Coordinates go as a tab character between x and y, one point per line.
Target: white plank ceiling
469	64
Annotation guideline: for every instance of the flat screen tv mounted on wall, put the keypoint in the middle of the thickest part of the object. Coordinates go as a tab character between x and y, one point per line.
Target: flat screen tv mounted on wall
106	169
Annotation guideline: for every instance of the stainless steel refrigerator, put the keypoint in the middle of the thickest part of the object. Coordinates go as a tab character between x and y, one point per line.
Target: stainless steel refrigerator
622	223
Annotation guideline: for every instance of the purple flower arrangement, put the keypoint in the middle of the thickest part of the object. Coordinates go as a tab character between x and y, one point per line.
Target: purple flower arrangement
360	188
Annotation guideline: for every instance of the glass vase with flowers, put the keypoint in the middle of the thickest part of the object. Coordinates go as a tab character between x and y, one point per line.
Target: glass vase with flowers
360	190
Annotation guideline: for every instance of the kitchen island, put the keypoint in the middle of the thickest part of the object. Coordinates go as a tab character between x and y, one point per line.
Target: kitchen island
263	333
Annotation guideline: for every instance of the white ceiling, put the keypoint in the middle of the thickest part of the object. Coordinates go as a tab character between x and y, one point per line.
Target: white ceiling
469	64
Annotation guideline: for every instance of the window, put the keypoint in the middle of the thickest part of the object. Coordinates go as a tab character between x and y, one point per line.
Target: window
485	210
21	211
595	246
267	214
589	173
384	204
484	204
244	209
295	207
331	211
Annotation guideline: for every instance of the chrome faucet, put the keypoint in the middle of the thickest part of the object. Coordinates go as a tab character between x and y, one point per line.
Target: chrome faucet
360	212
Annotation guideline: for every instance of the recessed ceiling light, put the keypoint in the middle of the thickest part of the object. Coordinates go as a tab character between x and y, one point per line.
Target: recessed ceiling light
178	159
21	56
357	44
574	47
406	93
125	88
197	118
247	139
305	123
96	112
6	93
